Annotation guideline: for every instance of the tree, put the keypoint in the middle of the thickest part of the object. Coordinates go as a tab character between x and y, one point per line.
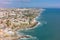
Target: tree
29	17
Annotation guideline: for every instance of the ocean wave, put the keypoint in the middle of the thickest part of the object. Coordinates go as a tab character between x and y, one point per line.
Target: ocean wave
31	38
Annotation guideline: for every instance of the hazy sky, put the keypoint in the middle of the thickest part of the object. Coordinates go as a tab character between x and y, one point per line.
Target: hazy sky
30	3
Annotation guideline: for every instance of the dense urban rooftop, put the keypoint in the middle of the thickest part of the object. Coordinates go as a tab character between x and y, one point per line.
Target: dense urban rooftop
14	19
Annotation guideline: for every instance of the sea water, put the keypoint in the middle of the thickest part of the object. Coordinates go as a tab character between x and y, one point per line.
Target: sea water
49	29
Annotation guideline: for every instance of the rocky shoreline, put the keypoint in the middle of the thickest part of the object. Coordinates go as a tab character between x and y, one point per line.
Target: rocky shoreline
12	20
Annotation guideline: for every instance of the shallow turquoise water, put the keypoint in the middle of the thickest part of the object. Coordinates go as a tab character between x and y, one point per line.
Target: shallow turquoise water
49	28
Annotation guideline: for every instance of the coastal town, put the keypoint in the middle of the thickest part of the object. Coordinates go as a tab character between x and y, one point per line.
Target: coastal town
14	19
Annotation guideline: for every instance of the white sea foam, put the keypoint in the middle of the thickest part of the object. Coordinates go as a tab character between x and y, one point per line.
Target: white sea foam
31	38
